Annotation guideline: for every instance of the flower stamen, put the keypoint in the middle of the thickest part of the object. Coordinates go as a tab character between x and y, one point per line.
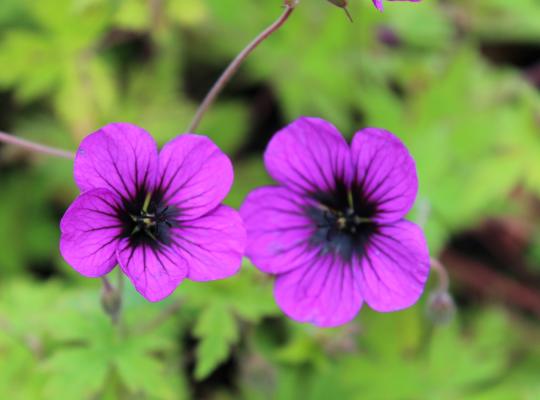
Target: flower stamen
146	203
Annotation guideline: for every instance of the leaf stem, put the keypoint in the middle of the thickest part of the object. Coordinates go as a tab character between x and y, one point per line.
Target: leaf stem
35	147
237	62
161	318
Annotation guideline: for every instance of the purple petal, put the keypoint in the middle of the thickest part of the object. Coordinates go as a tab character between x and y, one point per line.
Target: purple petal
155	271
278	229
322	292
410	1
395	268
195	175
379	3
385	171
90	230
309	155
213	245
119	157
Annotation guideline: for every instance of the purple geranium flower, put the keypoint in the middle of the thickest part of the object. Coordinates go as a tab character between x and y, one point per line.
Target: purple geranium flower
333	230
379	3
156	215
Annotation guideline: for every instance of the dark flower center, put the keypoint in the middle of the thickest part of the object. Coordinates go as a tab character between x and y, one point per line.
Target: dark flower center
147	220
344	221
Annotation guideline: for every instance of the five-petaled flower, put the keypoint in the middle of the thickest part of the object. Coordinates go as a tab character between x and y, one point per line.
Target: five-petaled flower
379	3
333	230
157	215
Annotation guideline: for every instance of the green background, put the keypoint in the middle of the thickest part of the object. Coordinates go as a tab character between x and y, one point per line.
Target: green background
454	79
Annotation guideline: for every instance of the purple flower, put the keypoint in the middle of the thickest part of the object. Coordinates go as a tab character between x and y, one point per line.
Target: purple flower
333	230
156	215
379	3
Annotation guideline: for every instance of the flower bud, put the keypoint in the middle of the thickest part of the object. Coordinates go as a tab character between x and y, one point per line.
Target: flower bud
388	37
342	4
339	3
440	307
111	301
292	3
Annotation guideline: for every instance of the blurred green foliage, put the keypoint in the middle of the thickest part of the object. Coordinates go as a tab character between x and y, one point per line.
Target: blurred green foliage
70	66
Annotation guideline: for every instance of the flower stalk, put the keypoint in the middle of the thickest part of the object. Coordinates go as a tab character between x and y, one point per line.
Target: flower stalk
441	307
233	67
442	273
35	147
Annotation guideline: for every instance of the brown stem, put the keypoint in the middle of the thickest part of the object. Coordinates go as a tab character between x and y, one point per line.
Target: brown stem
236	63
35	147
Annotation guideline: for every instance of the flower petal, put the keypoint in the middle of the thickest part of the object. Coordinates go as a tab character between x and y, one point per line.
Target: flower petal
379	3
156	271
213	245
395	267
322	292
195	175
385	172
119	157
308	156
90	230
278	229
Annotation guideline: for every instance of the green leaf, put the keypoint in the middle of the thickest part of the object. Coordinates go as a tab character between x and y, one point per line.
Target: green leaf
19	358
142	374
133	15
217	331
76	373
249	295
22	50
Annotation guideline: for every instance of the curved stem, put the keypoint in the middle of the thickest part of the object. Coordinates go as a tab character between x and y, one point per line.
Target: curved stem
35	147
235	64
444	280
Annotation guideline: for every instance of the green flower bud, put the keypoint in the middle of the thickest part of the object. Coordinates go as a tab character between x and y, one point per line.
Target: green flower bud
111	301
440	307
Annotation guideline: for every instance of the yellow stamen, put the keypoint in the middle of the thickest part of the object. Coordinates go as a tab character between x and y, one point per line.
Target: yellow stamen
361	220
350	198
147	202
